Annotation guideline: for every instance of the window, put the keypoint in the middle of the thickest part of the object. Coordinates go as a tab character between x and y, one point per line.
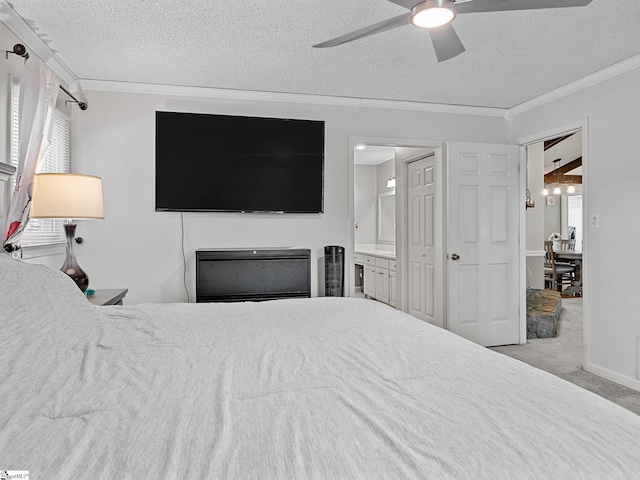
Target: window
42	231
574	218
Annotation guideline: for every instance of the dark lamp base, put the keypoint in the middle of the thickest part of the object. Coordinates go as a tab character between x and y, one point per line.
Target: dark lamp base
70	266
76	273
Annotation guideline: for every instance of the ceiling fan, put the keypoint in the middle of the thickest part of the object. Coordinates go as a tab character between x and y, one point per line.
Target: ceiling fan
436	16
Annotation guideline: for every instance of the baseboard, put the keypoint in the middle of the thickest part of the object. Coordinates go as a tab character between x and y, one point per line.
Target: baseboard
613	376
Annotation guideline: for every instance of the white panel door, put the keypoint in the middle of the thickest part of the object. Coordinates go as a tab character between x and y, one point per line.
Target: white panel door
424	183
483	221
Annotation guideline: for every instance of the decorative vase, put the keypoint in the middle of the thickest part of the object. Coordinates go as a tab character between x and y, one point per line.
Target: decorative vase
70	266
556	244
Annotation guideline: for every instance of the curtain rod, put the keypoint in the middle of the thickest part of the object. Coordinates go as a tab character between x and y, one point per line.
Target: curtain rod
82	105
21	51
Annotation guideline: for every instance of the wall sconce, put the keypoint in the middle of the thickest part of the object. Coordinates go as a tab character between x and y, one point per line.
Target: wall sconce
528	201
391	183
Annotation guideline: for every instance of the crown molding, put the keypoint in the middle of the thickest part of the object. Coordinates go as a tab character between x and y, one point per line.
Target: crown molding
253	95
573	87
434	107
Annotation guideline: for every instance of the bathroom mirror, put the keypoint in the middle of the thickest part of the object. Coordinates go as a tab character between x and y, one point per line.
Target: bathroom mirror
387	217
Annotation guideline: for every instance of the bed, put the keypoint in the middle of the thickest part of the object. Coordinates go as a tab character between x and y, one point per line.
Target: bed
321	388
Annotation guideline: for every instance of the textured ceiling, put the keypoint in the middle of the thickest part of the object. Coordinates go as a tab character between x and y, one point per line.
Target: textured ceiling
511	57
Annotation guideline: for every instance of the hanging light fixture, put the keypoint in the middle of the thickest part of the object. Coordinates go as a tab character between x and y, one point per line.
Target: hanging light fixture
557	188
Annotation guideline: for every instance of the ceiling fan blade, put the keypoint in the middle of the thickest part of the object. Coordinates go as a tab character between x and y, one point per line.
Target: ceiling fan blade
446	42
380	27
407	3
508	5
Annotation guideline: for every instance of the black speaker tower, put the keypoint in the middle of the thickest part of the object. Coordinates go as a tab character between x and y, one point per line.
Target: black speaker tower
333	271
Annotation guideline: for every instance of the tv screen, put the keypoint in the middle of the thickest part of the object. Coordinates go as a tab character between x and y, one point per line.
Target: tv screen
238	164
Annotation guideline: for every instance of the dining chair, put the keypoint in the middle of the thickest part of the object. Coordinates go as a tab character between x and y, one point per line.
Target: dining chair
556	274
568	244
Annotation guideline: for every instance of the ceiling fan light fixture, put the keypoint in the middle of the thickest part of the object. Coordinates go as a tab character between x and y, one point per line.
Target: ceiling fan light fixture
433	13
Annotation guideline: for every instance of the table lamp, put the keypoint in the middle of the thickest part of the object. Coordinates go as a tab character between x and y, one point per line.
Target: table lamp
68	196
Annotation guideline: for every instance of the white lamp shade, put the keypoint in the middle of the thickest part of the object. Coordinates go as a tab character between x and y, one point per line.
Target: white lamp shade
67	195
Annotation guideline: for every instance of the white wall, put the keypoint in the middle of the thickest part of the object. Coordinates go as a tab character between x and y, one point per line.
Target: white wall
552	216
535	217
384	171
365	203
612	171
136	247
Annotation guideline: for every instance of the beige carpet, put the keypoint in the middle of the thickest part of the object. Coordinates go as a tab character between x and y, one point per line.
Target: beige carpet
562	356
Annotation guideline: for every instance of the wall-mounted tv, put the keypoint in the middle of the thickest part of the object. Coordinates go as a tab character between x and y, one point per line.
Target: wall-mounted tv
230	163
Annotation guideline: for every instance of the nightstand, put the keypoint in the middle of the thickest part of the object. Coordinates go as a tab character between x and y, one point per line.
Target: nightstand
111	296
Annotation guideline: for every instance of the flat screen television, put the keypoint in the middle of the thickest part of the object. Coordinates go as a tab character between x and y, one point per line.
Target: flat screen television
225	163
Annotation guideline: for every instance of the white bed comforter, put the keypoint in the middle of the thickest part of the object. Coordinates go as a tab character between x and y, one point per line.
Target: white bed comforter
290	389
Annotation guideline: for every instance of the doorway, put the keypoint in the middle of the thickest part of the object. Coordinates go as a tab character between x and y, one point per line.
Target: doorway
482	298
376	215
556	168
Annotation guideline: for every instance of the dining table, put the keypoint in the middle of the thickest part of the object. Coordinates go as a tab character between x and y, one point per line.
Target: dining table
574	257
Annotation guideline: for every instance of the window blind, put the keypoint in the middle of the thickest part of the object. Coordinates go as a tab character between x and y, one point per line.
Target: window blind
42	231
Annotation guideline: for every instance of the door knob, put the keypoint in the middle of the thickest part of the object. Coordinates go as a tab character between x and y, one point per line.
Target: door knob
455	256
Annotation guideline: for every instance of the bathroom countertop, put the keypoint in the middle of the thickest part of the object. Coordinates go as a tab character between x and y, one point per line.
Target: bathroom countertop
390	254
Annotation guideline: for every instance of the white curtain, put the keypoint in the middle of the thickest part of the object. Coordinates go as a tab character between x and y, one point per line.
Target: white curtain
38	94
